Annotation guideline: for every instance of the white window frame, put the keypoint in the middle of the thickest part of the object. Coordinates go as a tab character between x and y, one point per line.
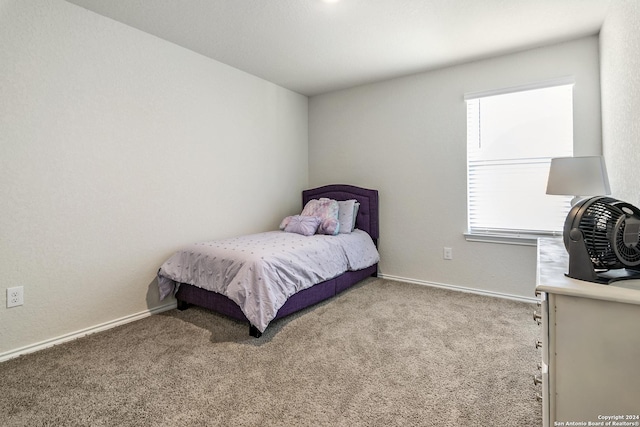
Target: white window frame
519	237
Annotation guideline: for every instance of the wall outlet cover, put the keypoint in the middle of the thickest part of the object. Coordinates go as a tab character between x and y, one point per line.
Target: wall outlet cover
15	296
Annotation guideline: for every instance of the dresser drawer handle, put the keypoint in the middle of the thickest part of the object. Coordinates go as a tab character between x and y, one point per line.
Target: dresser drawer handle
538	343
537	380
537	317
538	397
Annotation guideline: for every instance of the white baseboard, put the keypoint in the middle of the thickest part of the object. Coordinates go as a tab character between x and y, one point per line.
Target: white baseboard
81	333
460	288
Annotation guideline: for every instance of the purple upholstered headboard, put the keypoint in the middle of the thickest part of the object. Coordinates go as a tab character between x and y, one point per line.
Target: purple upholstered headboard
367	219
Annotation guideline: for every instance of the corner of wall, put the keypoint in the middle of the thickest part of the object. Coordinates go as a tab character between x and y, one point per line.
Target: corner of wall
620	89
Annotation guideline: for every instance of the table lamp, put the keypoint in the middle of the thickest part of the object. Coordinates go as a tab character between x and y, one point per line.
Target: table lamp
578	177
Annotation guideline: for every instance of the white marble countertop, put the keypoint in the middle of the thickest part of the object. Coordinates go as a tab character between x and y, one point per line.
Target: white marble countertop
553	261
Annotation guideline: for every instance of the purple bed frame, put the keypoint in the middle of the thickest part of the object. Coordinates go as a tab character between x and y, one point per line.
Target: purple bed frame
367	220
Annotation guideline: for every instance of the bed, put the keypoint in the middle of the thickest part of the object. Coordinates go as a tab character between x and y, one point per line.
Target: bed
310	287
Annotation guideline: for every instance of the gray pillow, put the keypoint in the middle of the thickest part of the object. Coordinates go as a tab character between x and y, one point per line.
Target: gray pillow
347	212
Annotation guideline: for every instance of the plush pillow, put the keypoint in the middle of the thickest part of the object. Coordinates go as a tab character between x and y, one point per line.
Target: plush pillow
347	215
284	222
330	226
305	225
325	209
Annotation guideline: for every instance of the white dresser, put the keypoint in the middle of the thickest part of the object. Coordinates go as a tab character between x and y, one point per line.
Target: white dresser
590	345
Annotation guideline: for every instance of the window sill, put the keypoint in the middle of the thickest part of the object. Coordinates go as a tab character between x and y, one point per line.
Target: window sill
505	239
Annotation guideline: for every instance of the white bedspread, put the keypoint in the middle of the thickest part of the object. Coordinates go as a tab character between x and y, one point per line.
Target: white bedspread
259	272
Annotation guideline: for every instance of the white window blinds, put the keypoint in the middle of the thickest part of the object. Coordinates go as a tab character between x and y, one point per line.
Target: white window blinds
511	138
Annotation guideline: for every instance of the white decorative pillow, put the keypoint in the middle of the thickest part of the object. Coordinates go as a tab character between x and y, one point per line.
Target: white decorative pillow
346	210
305	225
327	211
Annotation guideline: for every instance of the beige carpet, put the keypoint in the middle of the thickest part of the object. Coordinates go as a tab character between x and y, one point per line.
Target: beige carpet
381	354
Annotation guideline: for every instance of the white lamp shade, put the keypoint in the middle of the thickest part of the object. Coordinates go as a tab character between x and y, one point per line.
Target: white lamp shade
578	176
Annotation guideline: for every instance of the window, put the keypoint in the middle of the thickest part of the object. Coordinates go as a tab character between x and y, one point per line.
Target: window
511	137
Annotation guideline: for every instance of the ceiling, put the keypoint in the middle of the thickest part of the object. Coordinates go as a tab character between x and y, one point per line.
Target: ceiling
312	47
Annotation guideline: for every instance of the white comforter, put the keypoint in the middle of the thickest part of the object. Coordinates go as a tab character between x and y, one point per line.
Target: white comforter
259	272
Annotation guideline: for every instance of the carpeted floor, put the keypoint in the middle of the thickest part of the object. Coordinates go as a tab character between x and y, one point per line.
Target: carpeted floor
380	354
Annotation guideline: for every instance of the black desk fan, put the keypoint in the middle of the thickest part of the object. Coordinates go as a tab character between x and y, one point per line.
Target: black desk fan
602	236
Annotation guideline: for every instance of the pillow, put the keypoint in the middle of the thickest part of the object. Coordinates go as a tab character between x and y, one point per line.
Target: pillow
356	207
305	225
284	222
347	215
324	209
330	226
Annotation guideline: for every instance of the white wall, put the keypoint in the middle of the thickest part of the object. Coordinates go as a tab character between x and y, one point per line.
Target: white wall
620	69
116	149
407	138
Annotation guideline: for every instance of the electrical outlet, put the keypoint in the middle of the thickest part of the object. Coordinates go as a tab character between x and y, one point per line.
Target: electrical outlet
447	253
15	296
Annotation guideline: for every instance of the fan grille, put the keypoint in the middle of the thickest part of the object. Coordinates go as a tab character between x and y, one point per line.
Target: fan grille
629	254
597	224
